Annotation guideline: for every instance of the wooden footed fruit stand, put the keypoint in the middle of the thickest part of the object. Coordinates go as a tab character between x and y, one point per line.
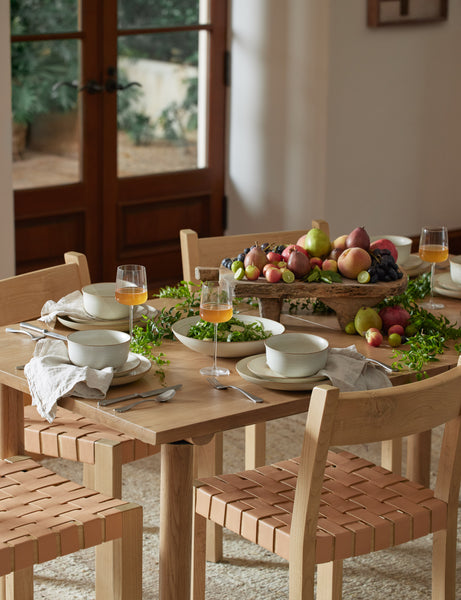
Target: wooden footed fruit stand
344	298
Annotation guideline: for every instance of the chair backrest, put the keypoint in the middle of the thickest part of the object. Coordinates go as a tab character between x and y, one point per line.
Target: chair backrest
338	419
22	296
209	251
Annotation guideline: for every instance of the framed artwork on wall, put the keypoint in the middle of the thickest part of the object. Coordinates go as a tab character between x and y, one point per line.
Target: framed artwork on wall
383	13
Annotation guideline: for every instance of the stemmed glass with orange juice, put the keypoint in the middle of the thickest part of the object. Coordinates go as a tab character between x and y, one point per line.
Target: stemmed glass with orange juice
216	307
131	287
433	248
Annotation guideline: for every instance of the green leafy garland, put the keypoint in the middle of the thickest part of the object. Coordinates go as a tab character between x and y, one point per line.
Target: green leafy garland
429	333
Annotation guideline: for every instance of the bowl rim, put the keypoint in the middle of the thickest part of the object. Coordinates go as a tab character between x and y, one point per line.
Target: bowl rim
182	323
75	335
455	259
325	343
91	289
405	241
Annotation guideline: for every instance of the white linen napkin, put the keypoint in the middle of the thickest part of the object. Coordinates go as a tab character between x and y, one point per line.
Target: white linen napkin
349	371
51	376
72	306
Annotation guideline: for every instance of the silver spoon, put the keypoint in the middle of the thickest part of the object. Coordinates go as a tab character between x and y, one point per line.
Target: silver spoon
164	397
34	336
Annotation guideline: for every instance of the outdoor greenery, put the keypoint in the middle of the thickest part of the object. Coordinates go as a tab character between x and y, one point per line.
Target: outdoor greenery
37	66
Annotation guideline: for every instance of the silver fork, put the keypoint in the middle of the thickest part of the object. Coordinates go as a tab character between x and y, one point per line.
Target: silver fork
220	386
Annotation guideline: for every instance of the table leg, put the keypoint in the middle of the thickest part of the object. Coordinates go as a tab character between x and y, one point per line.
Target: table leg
419	457
175	521
11	422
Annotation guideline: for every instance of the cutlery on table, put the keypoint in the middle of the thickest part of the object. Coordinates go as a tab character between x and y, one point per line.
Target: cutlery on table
43	331
147	394
387	368
35	337
163	397
220	386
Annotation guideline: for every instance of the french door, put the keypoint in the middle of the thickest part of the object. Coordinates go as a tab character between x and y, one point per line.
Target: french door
122	107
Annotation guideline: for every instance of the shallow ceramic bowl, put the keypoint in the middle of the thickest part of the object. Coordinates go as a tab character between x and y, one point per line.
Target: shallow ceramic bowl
402	244
99	301
455	269
98	348
226	349
296	354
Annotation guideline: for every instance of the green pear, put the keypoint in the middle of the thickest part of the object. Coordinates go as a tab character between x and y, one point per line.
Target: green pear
317	242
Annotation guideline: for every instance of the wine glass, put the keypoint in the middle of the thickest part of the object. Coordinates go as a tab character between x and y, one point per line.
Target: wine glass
216	307
131	287
433	248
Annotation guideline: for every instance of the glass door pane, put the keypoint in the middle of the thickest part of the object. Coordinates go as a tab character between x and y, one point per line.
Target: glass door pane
46	123
161	121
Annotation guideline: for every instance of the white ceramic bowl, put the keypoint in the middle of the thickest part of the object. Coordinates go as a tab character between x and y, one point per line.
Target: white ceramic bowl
296	354
455	269
98	348
99	301
226	349
402	244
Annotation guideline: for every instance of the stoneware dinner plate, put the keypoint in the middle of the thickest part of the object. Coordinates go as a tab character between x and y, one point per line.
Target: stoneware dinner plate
132	362
445	281
143	367
225	349
286	385
258	366
439	289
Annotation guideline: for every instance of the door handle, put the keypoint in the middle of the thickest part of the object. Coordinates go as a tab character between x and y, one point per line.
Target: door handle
112	85
92	87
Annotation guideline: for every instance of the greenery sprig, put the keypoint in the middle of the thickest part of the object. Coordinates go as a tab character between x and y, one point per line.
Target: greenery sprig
431	332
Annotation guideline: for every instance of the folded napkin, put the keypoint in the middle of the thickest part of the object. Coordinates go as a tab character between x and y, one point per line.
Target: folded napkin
72	306
51	376
349	371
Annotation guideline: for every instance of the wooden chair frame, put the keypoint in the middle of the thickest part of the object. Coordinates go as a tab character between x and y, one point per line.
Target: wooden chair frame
320	526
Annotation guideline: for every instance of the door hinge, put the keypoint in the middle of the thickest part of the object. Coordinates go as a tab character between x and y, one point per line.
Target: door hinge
227	68
224	213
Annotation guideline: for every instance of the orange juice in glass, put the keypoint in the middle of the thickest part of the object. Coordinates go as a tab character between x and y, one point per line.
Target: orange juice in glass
433	248
215	307
131	287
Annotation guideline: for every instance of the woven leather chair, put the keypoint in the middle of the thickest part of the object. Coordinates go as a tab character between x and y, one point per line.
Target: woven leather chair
45	516
208	252
101	450
328	505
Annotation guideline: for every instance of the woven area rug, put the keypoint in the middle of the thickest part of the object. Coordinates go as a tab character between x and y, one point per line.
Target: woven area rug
403	573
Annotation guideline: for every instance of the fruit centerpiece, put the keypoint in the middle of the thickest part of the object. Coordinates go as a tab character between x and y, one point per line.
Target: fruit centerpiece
345	274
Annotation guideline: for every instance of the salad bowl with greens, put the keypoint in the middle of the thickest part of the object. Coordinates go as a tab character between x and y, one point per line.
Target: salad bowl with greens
243	335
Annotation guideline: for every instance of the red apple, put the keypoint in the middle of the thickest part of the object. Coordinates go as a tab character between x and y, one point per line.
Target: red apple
396	329
374	337
316	262
252	272
273	275
329	265
267	267
352	261
274	257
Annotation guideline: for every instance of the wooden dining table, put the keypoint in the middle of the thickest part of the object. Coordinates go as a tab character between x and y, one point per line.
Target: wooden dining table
192	418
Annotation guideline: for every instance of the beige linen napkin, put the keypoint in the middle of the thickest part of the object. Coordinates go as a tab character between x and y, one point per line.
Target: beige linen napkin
72	306
349	371
51	376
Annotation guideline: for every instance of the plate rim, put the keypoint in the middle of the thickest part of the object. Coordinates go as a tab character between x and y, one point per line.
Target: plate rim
281	378
441	277
274	385
143	367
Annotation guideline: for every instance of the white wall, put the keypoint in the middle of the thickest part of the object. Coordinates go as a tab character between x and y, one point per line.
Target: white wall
6	194
332	119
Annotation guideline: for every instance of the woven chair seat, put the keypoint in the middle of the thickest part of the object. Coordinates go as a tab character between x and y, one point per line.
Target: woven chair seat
73	437
363	507
44	515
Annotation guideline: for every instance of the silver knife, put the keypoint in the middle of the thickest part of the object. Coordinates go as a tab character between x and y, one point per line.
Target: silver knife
44	331
156	392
